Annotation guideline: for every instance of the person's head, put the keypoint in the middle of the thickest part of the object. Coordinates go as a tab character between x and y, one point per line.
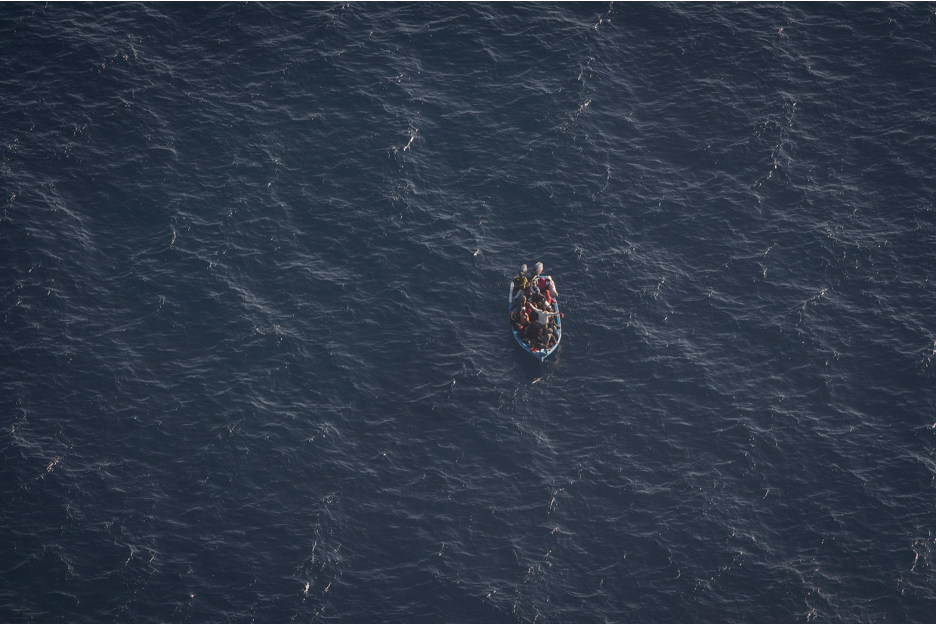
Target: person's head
538	268
523	268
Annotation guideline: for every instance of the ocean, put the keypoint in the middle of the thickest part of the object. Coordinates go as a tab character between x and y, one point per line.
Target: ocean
255	361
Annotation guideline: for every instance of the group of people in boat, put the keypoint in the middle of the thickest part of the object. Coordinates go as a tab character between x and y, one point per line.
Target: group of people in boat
532	310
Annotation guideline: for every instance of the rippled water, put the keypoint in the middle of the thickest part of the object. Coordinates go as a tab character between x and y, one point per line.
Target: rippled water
254	362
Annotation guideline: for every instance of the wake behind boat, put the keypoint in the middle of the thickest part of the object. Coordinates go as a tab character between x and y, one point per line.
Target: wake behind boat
534	312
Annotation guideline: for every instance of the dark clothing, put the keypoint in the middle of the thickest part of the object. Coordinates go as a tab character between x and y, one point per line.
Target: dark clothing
546	337
541	341
534	335
519	321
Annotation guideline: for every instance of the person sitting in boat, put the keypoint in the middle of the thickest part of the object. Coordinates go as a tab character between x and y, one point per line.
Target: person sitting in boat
546	284
520	280
543	282
543	339
520	320
554	324
547	297
537	342
542	303
518	294
519	301
553	335
532	332
521	294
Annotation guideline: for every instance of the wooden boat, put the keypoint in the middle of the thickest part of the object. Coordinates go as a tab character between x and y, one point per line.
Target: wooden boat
539	354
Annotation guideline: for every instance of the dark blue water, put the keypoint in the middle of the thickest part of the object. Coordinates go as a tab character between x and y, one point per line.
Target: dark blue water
255	364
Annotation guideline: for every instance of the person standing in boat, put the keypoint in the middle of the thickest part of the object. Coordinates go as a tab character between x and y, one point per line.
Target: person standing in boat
543	317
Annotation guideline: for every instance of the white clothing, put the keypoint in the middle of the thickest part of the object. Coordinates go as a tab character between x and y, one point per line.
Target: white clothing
543	317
